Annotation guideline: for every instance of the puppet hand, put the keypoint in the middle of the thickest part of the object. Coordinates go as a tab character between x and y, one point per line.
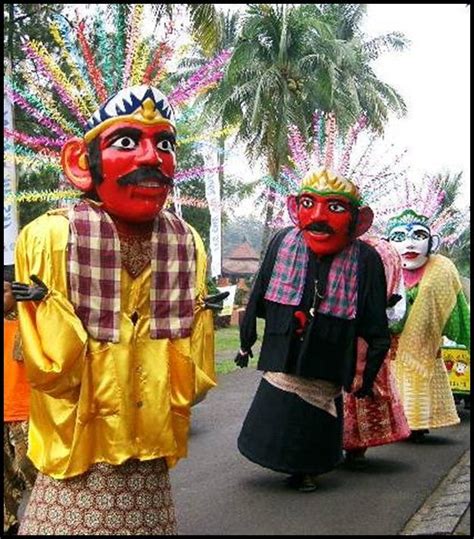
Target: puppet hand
215	302
363	392
23	292
242	358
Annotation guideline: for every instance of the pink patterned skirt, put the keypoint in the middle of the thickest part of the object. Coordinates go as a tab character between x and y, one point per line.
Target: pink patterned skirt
131	499
374	421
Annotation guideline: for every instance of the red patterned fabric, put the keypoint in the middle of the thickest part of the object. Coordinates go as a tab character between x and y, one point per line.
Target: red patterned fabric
381	420
94	265
133	498
378	421
289	275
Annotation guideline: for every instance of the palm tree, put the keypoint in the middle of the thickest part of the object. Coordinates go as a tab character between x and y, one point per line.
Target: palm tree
213	112
291	60
355	87
208	27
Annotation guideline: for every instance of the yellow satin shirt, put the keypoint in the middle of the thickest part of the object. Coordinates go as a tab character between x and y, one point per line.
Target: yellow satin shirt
94	401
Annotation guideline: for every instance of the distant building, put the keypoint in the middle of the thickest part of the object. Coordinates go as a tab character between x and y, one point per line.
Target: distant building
242	262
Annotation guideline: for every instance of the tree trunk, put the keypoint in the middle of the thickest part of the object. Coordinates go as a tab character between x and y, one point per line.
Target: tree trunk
274	170
220	164
268	219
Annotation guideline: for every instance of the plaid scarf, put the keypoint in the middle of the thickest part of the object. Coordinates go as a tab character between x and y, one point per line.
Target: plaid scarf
94	268
289	275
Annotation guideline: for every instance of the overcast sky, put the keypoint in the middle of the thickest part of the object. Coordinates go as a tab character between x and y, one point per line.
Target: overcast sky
433	76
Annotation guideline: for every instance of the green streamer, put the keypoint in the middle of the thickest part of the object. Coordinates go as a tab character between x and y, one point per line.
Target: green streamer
120	42
104	55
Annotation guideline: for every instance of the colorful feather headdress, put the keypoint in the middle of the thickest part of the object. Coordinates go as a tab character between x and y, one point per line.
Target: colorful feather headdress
408	203
345	157
76	89
378	172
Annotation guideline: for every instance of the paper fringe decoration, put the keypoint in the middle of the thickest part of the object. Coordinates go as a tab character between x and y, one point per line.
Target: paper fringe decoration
93	62
383	182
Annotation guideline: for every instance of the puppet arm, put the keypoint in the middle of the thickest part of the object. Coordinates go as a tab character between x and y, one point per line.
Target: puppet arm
53	337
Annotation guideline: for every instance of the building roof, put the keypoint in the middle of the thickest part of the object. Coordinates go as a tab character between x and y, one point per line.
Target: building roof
244	251
243	260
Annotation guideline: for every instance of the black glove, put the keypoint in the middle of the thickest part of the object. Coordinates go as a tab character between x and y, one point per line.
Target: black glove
393	300
215	301
242	360
363	392
23	292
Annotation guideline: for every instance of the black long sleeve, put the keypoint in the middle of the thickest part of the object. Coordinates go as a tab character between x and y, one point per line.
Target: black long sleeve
373	324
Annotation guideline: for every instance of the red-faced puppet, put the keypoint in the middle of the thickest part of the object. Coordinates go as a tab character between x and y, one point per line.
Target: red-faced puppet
127	157
329	212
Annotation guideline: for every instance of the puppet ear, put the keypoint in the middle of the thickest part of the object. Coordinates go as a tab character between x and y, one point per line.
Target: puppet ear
292	205
435	243
365	219
75	165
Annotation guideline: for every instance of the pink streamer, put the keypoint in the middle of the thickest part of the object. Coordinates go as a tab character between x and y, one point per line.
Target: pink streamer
94	72
316	154
351	140
206	75
330	140
194	172
34	142
23	103
298	150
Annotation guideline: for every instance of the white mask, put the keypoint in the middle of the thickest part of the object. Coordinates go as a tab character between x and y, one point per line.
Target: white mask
412	242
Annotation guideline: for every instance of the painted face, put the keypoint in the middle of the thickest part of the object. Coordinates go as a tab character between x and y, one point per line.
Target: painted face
460	368
138	164
412	242
325	221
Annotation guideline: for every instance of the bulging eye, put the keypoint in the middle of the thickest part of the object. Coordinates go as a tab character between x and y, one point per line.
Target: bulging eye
124	143
420	235
306	202
336	207
398	236
165	146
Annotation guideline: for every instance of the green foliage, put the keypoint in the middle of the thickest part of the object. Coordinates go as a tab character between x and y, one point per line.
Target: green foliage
206	26
30	20
460	250
236	231
290	60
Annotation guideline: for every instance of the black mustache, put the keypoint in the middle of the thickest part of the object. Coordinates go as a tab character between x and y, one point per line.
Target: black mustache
145	173
319	227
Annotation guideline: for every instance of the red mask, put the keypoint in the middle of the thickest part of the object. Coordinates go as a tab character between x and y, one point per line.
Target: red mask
146	153
330	216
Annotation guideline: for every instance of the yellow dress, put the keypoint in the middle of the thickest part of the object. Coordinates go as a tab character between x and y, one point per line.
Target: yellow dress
419	369
94	401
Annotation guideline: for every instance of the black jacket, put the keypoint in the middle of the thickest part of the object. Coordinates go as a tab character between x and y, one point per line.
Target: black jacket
328	348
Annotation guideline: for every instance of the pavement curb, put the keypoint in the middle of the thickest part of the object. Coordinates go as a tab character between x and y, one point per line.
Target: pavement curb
443	510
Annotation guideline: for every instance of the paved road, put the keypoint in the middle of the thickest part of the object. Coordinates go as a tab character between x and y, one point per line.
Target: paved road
218	492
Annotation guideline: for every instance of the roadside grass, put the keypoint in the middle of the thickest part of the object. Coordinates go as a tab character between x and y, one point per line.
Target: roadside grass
227	344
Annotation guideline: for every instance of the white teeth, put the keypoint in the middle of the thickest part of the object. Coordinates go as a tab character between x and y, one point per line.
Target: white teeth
148	183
